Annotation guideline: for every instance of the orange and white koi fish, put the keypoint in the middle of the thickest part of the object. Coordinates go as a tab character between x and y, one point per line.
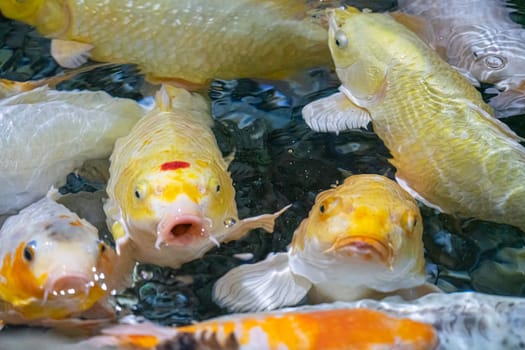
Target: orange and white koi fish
171	197
189	42
361	239
480	39
46	134
448	149
349	329
54	269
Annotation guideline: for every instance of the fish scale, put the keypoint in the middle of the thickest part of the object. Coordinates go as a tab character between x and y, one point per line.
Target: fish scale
448	149
190	41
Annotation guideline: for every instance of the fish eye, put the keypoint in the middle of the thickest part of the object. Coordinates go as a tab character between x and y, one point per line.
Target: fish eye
137	194
329	204
341	40
101	247
140	190
322	208
29	251
218	189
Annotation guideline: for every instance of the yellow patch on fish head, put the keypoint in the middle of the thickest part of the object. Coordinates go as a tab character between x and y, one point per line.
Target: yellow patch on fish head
198	188
20	9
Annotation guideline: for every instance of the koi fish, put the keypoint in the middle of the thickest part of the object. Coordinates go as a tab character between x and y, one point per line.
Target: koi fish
183	42
328	330
479	38
46	134
54	269
171	197
361	239
463	320
448	149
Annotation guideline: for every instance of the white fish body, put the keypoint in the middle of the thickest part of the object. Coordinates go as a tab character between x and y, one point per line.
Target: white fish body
45	134
480	39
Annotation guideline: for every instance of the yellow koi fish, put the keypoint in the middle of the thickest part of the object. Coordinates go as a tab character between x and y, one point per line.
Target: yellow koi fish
361	239
359	329
53	267
47	134
448	149
185	42
480	39
171	198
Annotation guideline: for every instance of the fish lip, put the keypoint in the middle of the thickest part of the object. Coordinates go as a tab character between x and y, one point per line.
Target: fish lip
365	245
60	286
188	228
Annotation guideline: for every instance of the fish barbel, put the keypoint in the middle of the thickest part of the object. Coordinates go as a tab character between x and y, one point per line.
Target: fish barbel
185	42
361	239
171	197
351	329
46	134
448	149
53	266
480	39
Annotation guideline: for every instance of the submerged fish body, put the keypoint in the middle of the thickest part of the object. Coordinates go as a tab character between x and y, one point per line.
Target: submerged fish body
328	330
53	266
447	148
480	39
190	41
171	197
361	239
46	134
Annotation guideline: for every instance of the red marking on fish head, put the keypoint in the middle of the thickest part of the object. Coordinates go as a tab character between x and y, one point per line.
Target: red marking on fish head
174	165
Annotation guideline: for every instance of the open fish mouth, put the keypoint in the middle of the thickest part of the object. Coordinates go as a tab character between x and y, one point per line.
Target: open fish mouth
181	230
366	247
69	286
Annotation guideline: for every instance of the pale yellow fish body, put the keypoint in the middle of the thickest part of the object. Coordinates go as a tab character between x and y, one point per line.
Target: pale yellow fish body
192	41
362	239
53	267
447	148
171	196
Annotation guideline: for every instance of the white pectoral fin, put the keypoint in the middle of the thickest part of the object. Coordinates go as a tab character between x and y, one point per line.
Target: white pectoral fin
70	54
241	228
335	113
266	285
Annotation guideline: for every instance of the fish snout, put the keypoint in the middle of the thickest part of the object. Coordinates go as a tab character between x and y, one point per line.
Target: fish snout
366	247
181	230
69	285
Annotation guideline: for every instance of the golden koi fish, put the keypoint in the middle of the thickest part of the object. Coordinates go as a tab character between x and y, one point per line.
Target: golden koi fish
448	149
53	267
361	239
185	42
171	198
479	38
46	134
359	329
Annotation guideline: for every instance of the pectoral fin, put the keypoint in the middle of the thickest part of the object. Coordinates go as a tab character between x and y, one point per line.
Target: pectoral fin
241	228
266	285
70	54
335	113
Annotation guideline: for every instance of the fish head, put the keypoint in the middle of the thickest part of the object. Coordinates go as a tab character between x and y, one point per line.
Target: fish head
490	55
364	46
61	269
178	203
363	236
49	16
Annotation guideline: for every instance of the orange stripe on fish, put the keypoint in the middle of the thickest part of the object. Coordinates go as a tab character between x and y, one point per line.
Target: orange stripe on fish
177	164
326	329
18	285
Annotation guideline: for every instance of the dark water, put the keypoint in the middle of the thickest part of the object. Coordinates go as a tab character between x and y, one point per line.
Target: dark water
279	160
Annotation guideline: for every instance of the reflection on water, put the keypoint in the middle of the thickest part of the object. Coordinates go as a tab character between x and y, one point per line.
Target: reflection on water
278	160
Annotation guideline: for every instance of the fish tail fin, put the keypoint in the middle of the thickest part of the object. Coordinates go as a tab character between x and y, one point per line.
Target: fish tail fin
170	97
